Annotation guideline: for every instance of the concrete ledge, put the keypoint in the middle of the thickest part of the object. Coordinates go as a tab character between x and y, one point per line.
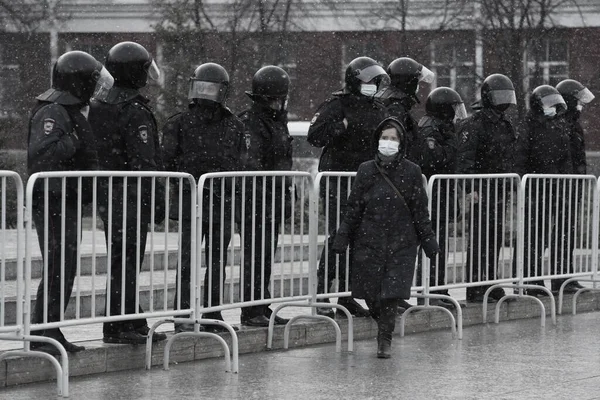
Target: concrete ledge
100	358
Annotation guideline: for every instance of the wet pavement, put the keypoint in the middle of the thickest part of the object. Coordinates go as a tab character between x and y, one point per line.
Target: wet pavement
511	360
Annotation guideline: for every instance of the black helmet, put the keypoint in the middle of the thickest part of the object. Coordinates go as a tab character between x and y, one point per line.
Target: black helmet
363	70
546	100
446	104
210	81
405	74
78	74
131	65
498	92
270	87
574	93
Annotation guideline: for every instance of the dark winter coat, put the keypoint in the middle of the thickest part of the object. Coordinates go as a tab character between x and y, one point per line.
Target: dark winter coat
434	151
344	149
544	146
575	130
385	230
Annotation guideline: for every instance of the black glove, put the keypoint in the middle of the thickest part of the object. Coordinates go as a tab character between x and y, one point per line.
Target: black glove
430	247
340	242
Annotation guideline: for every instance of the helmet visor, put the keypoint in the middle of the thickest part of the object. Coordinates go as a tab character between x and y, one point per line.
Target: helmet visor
104	82
585	96
460	112
207	90
426	75
499	97
373	71
553	100
153	71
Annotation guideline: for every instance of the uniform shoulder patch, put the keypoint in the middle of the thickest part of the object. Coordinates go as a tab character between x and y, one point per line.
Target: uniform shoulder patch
464	137
143	133
48	125
314	119
431	143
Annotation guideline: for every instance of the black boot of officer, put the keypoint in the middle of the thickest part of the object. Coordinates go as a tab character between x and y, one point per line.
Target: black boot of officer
343	126
60	139
127	137
205	138
270	150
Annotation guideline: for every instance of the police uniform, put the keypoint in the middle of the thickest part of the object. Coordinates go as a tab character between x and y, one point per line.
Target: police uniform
60	139
486	146
127	137
344	149
206	138
434	150
270	150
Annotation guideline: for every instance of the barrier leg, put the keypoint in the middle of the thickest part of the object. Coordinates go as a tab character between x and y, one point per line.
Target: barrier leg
172	339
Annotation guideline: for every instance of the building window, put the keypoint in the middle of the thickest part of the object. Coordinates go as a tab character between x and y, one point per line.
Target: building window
454	67
547	62
10	83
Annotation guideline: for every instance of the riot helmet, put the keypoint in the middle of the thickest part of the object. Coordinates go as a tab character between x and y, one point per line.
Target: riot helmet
80	75
270	87
546	100
131	65
405	74
575	94
210	81
446	104
364	76
498	92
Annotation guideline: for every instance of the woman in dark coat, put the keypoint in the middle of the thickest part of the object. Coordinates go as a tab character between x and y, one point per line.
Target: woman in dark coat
384	226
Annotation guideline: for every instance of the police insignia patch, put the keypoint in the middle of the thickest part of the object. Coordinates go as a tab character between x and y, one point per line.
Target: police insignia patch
143	131
314	119
465	136
431	143
48	125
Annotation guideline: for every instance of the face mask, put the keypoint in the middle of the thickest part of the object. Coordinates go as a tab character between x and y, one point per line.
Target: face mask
85	111
550	111
388	147
368	89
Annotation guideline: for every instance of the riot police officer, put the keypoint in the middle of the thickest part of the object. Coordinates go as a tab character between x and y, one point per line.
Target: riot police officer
343	126
434	150
486	146
127	137
207	137
401	95
544	147
270	150
60	139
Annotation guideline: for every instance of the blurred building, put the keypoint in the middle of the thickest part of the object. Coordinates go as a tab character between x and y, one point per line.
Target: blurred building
312	39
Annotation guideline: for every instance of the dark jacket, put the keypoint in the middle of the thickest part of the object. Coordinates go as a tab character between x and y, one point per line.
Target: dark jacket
344	149
60	139
399	104
384	230
270	150
486	144
434	150
127	139
544	146
577	139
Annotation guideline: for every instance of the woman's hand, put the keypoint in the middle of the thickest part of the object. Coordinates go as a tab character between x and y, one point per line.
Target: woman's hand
430	247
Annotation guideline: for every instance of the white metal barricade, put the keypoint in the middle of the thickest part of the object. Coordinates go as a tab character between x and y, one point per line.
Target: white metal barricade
560	233
74	251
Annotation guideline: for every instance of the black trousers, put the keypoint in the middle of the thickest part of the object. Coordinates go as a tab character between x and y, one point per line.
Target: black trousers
384	312
329	261
54	259
122	297
485	241
258	254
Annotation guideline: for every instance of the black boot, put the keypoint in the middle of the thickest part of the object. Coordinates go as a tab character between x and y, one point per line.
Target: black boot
353	307
384	344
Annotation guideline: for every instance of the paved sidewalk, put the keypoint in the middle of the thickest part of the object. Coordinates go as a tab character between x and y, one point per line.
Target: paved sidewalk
511	360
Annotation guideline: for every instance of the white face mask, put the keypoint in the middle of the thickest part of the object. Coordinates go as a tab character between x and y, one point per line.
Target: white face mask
550	111
368	89
388	147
